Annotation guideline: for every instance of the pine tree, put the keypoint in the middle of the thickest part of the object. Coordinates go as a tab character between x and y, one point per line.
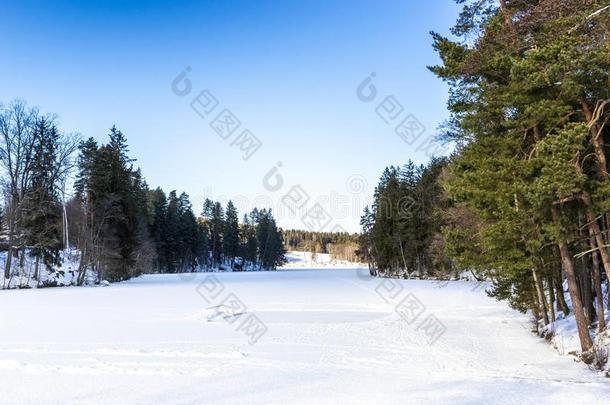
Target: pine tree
188	231
157	219
172	235
249	244
216	233
231	233
532	163
270	241
113	196
365	242
43	213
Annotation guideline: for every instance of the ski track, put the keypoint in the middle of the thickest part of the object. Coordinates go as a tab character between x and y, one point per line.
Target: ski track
331	339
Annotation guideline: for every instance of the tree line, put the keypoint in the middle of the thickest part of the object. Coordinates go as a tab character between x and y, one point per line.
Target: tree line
339	245
525	199
401	231
118	226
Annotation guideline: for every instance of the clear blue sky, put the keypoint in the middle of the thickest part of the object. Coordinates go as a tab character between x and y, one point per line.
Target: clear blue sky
288	70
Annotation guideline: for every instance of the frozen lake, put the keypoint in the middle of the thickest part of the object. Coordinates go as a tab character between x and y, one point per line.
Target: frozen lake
292	336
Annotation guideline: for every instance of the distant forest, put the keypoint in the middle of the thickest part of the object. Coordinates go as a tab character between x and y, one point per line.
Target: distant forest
339	245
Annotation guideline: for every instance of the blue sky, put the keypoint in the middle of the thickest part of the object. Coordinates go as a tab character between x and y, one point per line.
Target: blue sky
287	70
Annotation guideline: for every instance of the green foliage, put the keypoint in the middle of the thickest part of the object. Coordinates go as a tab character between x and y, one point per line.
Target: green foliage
113	194
231	232
43	210
401	232
525	80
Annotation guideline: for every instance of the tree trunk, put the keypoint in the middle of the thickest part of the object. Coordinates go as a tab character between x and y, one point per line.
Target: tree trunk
12	213
536	312
608	46
595	230
585	276
541	298
9	254
587	293
598	145
37	269
81	267
9	260
561	300
551	298
607	228
505	14
22	259
568	266
597	286
581	320
402	253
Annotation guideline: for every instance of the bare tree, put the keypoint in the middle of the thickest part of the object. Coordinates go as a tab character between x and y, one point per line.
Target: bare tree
26	139
17	141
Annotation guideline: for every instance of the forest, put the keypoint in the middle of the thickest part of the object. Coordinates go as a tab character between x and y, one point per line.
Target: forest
524	201
63	194
339	245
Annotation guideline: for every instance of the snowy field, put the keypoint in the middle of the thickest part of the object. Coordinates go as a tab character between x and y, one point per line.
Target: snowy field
310	260
331	337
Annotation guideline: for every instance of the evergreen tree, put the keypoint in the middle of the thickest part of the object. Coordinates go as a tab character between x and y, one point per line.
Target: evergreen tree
532	165
113	196
43	212
231	233
172	237
216	233
365	242
206	219
249	244
270	241
157	219
189	235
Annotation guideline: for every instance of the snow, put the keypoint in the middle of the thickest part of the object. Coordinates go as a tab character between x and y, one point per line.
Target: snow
564	333
330	336
308	260
59	276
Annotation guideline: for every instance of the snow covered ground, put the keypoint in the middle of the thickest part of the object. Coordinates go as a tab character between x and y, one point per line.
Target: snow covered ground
330	336
63	275
309	260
